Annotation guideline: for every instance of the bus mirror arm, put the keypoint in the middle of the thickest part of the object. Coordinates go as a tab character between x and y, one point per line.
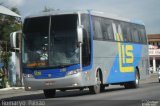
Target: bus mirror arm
80	33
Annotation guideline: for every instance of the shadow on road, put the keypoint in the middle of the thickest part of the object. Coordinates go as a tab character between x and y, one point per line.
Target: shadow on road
25	97
59	94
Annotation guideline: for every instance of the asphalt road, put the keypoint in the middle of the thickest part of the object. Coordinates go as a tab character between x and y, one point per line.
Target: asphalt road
148	94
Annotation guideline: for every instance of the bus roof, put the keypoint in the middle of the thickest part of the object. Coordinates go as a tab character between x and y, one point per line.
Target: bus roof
92	12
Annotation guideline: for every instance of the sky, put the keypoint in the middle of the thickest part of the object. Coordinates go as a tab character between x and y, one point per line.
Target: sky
146	10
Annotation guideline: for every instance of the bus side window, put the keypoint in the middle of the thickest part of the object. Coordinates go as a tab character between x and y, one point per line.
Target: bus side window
135	34
97	28
126	32
143	34
107	30
140	34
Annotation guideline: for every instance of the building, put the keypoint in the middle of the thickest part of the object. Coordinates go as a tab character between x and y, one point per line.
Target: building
154	51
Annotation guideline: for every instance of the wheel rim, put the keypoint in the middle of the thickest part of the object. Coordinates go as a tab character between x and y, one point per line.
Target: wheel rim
97	86
137	80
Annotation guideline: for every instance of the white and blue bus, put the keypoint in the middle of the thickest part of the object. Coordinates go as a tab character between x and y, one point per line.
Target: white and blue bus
64	50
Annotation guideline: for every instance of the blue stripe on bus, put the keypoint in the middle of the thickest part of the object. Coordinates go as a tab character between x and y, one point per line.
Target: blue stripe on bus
89	67
55	73
27	71
116	76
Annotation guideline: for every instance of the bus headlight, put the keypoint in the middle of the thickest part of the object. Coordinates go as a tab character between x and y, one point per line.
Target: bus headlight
73	72
27	75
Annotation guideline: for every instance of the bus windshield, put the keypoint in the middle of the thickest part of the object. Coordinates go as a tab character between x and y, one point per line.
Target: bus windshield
50	41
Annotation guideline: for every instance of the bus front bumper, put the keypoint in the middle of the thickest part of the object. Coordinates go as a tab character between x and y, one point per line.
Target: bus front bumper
71	81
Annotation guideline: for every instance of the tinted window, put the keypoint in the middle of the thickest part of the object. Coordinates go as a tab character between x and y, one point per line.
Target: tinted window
97	28
126	32
86	57
36	41
102	28
142	34
135	34
63	40
107	29
34	25
138	34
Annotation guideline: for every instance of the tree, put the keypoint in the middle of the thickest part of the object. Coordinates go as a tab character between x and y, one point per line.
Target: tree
14	9
9	24
46	9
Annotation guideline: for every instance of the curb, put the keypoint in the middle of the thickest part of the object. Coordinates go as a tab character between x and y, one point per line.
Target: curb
11	88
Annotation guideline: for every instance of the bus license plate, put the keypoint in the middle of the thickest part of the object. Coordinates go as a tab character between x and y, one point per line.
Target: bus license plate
49	83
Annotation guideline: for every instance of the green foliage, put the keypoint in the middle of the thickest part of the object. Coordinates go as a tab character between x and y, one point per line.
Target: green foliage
46	9
5	57
8	24
15	10
3	82
7	28
1	74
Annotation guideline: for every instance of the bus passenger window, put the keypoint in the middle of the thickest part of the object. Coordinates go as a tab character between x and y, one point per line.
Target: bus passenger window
143	35
107	31
126	32
98	31
135	35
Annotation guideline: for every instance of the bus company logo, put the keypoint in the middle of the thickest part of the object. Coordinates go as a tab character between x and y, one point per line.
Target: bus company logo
37	73
126	57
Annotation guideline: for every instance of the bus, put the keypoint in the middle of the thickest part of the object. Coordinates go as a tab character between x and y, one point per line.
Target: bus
64	50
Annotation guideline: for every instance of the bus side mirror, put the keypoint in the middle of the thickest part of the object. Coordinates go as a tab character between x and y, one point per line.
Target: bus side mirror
80	34
14	40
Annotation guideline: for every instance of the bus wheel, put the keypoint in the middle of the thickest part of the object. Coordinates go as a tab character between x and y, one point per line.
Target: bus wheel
81	89
102	88
96	88
49	93
136	85
63	90
133	84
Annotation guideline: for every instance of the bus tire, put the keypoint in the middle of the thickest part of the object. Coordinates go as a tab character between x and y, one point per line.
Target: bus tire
63	90
49	93
95	89
81	89
136	83
133	84
102	88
